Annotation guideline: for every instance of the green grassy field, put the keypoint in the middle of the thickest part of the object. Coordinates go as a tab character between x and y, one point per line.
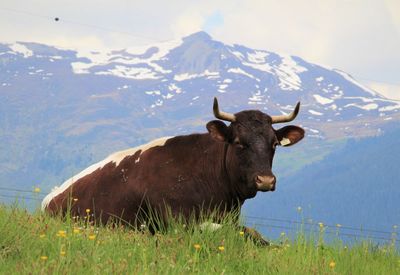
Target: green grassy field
38	244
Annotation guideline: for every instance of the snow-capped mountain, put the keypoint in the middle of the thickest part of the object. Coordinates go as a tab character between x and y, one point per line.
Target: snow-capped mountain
61	108
181	77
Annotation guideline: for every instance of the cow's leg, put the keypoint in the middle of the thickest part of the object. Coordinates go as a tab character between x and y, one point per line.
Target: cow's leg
253	235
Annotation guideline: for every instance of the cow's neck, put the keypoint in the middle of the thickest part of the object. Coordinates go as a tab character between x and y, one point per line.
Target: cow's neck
224	177
237	181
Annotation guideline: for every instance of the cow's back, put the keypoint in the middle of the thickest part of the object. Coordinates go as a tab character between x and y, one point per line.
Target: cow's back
102	185
174	172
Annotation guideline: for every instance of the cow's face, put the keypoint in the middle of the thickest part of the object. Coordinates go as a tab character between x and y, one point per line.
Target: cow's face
252	142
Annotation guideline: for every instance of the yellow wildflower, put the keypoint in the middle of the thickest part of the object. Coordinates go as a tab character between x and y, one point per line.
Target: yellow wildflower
76	230
221	248
42	236
241	233
321	225
338	225
197	246
332	264
61	233
36	190
62	253
44	258
92	237
88	210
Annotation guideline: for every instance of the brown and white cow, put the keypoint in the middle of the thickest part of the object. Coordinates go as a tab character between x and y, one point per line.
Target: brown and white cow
218	170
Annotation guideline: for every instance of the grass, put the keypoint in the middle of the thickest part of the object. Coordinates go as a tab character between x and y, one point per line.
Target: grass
38	244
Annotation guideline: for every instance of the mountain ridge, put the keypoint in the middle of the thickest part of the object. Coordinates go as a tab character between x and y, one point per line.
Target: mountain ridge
270	81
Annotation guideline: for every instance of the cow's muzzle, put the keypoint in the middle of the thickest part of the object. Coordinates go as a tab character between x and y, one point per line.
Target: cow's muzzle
265	183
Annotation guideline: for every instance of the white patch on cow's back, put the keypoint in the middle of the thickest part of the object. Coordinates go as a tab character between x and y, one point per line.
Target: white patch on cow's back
115	158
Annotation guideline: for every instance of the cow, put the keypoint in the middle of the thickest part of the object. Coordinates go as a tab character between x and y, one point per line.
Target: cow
217	170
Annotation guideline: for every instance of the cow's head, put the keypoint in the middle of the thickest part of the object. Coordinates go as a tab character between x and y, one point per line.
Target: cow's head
252	142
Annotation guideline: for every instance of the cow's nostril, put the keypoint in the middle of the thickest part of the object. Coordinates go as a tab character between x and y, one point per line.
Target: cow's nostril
271	180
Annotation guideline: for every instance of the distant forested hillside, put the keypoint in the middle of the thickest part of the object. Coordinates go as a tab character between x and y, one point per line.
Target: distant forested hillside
357	185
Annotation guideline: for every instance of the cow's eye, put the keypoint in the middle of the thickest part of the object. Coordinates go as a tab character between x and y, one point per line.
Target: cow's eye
239	145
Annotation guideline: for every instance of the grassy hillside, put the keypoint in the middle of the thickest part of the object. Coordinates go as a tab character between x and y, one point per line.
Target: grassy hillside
37	244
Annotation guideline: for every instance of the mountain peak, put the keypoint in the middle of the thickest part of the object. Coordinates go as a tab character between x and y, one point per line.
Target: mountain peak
201	35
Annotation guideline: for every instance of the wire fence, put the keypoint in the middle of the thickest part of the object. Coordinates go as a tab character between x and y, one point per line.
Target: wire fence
338	233
22	190
85	25
315	228
18	197
263	222
325	225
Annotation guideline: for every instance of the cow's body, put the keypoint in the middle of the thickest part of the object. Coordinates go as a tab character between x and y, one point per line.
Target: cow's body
215	171
186	173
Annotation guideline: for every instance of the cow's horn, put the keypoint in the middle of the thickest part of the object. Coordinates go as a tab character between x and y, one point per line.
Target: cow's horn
222	115
286	118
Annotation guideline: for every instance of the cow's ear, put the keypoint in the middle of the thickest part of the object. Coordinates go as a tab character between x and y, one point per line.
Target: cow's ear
218	130
289	135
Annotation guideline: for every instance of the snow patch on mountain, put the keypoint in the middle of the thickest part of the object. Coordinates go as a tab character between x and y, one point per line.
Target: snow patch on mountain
174	88
238	54
322	100
118	63
258	57
315	113
367	107
287	72
130	72
256	98
389	108
257	60
18	48
238	70
187	76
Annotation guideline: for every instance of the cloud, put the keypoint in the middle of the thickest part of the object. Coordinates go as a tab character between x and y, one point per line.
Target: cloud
360	37
213	21
393	9
187	24
197	16
391	91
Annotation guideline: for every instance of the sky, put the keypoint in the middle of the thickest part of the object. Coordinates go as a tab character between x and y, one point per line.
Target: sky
360	37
